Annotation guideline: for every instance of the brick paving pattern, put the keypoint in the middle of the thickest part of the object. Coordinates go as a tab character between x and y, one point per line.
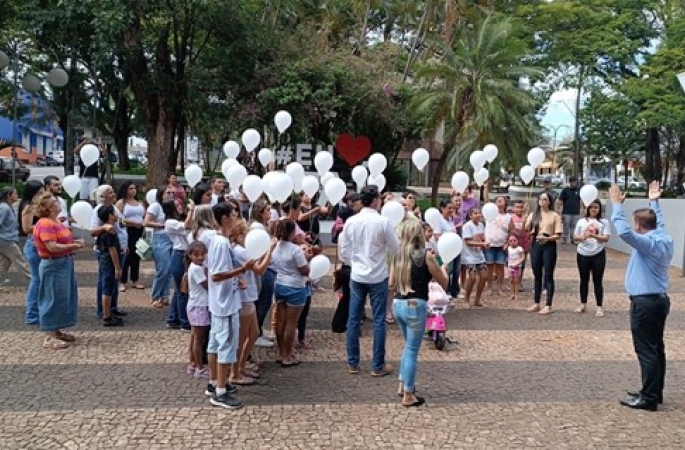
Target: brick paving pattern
511	380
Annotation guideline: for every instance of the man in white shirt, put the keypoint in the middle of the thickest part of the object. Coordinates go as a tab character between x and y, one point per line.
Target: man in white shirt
365	243
54	186
217	185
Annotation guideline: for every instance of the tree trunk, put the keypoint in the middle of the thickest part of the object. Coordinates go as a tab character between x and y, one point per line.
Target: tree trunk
652	156
680	164
160	140
437	174
419	30
121	132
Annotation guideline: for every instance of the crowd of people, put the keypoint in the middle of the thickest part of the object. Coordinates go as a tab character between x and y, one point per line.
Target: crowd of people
222	296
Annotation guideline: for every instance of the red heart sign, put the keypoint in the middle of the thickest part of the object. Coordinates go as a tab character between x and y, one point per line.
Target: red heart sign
353	150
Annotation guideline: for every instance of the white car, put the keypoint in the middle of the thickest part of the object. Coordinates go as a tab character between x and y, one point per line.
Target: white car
58	156
633	183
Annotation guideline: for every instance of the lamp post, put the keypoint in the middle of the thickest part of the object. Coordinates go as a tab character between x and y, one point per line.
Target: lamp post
56	77
556	147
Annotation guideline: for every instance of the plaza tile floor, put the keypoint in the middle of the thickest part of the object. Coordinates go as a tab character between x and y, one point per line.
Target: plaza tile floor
511	380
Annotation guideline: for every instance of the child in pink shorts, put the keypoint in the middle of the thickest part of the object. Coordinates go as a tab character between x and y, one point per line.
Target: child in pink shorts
198	307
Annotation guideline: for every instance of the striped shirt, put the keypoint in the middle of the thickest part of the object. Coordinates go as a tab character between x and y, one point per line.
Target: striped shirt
47	230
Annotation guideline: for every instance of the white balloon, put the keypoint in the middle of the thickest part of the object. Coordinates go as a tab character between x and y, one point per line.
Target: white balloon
460	181
433	217
193	175
235	175
90	154
490	152
377	164
58	77
82	212
253	187
265	157
231	149
257	243
394	211
450	246
323	161
319	266
281	187
31	83
481	176
378	181
536	156
72	185
283	120
359	175
527	173
335	190
477	160
588	194
228	162
420	158
267	181
296	172
251	139
490	211
310	185
151	196
4	60
326	178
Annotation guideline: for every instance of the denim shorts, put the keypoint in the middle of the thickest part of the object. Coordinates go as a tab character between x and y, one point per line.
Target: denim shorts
223	338
475	267
198	316
495	255
291	296
109	283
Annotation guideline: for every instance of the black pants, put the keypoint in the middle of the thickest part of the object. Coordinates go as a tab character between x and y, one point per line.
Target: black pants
342	311
647	322
132	260
592	265
302	321
543	259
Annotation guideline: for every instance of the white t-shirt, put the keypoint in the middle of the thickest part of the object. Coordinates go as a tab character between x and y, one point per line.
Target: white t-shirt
446	226
274	215
288	258
591	247
215	199
224	296
155	210
473	255
64	211
250	294
515	256
177	233
95	222
497	231
197	295
205	236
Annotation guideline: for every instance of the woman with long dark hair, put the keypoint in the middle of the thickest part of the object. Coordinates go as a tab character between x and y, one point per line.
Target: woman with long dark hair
202	195
33	190
9	236
133	213
161	247
546	229
592	233
260	215
177	228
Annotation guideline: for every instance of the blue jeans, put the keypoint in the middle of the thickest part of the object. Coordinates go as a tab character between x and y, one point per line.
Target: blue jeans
177	312
161	253
455	272
31	255
266	295
102	281
378	292
411	318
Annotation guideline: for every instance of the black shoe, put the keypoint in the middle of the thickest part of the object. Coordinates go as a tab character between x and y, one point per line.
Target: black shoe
185	328
659	400
119	313
639	403
226	401
112	322
173	326
211	389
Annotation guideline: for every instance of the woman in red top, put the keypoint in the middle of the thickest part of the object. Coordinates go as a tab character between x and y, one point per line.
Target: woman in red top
58	297
177	190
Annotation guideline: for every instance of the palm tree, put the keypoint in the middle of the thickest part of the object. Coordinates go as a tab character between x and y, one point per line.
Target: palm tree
474	87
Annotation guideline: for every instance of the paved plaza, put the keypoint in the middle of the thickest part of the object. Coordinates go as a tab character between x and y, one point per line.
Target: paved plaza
511	380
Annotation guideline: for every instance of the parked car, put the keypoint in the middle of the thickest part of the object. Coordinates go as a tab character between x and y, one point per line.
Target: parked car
46	161
21	172
633	183
555	180
58	156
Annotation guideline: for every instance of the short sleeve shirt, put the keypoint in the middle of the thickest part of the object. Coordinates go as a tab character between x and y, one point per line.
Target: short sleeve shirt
155	210
591	247
497	231
473	255
224	299
250	294
197	294
45	230
288	258
515	256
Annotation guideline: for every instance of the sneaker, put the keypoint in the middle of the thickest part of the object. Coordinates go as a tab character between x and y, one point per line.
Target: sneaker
268	336
112	322
190	370
202	374
185	328
353	370
534	308
580	309
210	390
600	312
226	401
386	370
173	326
460	296
545	311
264	342
119	313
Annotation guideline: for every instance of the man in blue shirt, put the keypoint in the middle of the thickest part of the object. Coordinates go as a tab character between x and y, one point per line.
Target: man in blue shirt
646	282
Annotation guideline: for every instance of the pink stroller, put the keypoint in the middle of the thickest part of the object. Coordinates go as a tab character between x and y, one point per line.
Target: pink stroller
438	305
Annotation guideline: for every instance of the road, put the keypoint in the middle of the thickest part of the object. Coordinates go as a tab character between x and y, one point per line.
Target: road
39	173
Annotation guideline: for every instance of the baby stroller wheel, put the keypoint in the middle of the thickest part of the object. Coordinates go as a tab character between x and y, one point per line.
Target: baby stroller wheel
440	340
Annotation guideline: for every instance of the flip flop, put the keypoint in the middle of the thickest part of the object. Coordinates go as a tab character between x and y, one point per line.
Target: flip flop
389	320
296	362
251	374
244	381
419	401
65	337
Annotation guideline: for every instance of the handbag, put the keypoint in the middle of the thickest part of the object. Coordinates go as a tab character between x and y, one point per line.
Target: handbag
144	247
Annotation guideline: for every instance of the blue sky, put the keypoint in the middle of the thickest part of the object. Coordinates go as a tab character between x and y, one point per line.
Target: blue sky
560	115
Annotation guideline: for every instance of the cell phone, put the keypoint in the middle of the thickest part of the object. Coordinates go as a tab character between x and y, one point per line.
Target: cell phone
545	234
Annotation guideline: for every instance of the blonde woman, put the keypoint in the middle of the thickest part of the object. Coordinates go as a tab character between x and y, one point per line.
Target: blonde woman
411	271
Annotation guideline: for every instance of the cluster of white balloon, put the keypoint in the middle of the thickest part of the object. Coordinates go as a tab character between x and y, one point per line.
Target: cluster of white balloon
81	211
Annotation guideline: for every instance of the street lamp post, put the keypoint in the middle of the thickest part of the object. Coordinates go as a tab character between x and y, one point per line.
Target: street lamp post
56	77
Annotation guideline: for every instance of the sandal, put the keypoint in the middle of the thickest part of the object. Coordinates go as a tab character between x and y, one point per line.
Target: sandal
244	381
165	302
157	304
122	288
295	362
252	366
389	320
65	337
418	402
53	343
138	286
251	374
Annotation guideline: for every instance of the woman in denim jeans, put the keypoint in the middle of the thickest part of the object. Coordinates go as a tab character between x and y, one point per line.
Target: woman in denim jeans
32	191
161	248
411	271
260	216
